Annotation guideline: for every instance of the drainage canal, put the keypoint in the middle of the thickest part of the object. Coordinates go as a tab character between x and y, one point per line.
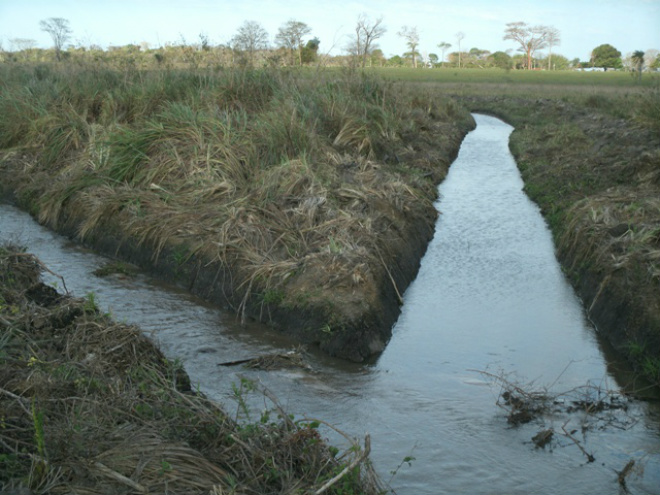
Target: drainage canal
490	306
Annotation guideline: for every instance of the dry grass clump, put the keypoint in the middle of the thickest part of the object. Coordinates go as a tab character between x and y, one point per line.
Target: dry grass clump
623	229
617	235
90	406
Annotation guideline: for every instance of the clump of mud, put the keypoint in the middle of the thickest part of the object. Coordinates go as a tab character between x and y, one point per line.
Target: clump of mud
91	406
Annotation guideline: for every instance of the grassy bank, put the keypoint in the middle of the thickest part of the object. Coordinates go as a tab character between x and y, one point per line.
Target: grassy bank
89	405
613	93
518	78
591	160
305	202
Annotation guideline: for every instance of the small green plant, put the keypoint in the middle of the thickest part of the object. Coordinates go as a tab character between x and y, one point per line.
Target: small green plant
635	349
165	467
406	460
116	268
38	421
90	305
180	255
651	368
273	296
240	392
334	246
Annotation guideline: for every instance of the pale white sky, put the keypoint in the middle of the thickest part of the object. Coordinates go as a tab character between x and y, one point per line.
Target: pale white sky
628	25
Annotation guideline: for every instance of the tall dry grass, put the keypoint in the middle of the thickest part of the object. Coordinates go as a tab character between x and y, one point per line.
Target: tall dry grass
268	172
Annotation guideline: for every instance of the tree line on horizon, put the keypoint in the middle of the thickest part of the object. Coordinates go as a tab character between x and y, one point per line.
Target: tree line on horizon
294	45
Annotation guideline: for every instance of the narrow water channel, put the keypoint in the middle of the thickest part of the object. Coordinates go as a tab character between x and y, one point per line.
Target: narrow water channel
490	297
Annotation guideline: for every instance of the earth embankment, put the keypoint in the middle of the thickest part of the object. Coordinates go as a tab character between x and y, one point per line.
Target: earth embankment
305	203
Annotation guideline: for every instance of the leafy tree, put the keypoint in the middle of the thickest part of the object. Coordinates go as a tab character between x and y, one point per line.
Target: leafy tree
477	57
501	60
290	36
433	58
606	56
559	62
395	61
60	32
250	38
656	63
24	46
444	46
651	56
310	51
530	38
638	62
366	32
519	61
378	57
412	41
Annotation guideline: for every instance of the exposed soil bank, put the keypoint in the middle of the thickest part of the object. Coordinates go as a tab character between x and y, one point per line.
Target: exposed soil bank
308	208
89	405
597	181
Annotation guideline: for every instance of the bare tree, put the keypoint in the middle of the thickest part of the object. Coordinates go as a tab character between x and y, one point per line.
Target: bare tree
412	41
23	46
250	38
290	36
529	38
204	42
460	36
366	32
22	43
60	32
552	39
650	56
444	46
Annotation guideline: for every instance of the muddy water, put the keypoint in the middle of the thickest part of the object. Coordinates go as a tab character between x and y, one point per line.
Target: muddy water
490	296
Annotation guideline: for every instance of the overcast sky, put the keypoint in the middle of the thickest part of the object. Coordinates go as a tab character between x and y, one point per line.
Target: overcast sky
628	25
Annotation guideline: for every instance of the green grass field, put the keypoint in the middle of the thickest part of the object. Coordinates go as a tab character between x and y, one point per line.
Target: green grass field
518	77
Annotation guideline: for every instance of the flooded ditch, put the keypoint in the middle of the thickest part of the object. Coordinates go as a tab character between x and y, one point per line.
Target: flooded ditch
490	304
